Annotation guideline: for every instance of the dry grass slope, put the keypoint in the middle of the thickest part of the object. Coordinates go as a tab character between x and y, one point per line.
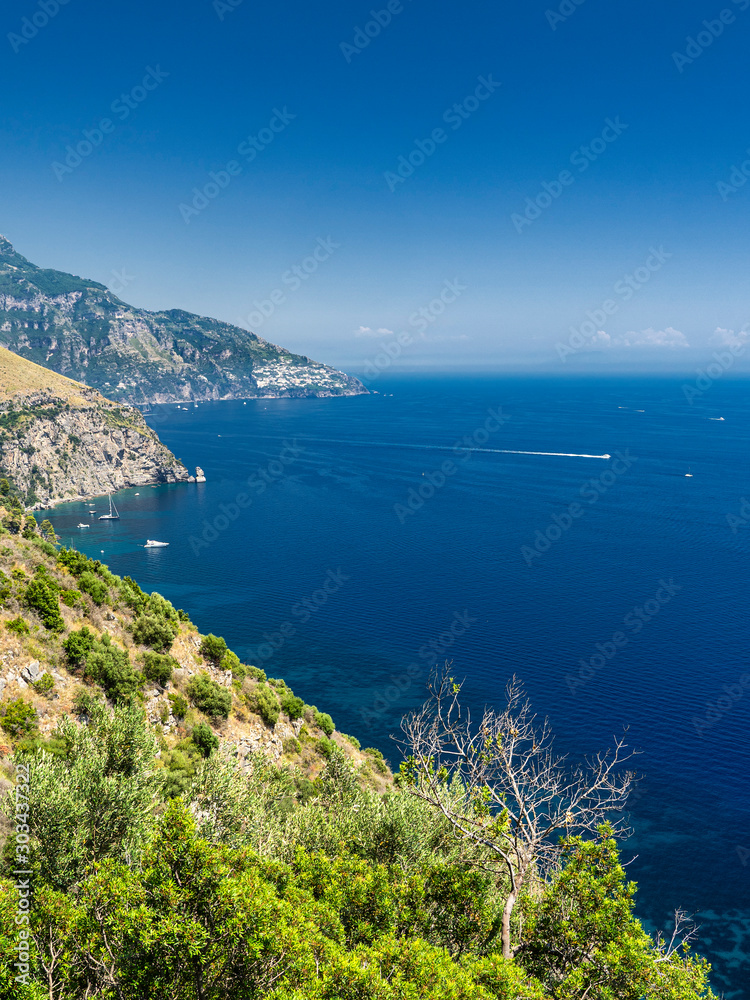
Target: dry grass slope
19	377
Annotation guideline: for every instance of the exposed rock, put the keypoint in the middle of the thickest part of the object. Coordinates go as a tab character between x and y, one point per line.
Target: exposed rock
33	672
79	328
200	476
60	440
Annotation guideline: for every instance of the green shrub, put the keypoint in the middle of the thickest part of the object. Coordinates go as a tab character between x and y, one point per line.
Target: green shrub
264	702
209	697
18	625
378	760
70	598
93	586
85	701
353	740
110	666
41	596
230	661
78	645
158	667
18	718
45	685
179	706
255	673
213	648
205	739
324	721
291	746
292	705
151	630
325	746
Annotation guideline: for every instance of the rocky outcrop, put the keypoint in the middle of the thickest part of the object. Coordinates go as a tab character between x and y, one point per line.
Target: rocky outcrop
53	453
80	329
63	441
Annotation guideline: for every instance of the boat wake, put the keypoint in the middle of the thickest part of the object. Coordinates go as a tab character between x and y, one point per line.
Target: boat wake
459	447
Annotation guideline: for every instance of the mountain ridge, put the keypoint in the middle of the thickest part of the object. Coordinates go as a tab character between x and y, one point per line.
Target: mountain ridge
79	328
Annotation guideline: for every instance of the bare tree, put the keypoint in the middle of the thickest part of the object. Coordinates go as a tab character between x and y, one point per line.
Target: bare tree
518	797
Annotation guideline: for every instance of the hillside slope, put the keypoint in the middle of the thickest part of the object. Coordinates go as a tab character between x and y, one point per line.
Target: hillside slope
80	329
60	440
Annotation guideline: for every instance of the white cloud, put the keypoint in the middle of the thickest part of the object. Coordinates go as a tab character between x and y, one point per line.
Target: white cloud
367	331
668	337
728	338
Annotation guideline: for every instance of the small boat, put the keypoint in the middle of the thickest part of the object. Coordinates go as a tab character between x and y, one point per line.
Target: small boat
83	525
151	544
113	513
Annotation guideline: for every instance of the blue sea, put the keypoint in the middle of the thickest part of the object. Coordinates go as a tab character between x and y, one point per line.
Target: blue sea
349	544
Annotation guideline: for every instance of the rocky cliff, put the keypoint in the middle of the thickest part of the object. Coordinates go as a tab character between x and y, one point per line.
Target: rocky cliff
60	440
80	329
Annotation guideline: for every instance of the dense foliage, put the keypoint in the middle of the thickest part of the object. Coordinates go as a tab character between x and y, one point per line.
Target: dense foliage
250	883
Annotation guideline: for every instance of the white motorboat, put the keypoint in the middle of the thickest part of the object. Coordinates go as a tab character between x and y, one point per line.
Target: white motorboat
151	544
83	525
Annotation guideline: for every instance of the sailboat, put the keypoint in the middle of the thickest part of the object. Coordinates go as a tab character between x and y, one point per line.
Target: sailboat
113	513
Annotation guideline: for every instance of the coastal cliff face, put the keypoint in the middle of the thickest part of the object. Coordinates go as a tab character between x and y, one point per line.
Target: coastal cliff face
63	441
80	329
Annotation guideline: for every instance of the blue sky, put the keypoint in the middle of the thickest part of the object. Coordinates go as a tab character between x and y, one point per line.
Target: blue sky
553	156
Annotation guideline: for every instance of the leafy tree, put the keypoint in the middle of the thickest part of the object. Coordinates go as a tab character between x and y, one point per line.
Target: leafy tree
158	668
91	584
41	597
97	800
324	721
152	630
205	739
230	661
18	718
581	938
78	645
110	666
292	705
179	705
264	702
213	648
209	697
48	531
29	526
